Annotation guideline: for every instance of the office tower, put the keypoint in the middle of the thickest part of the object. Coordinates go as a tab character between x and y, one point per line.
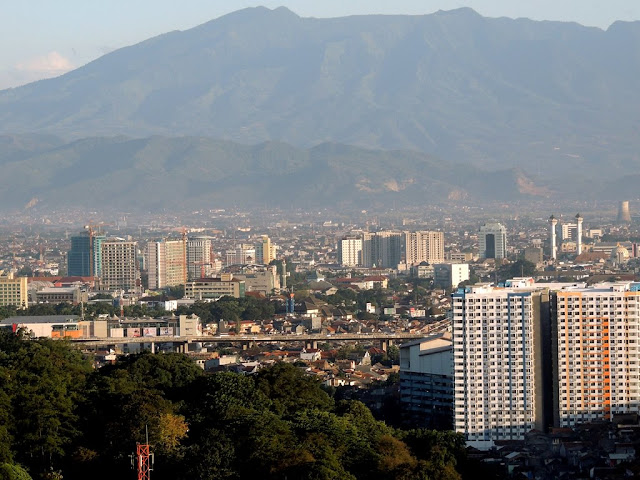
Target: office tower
119	265
501	353
449	275
79	257
199	257
493	241
623	212
265	251
597	366
13	291
569	232
85	257
350	251
423	246
382	249
166	263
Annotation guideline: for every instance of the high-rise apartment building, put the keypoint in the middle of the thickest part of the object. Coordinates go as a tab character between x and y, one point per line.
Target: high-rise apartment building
119	265
501	346
199	257
350	251
241	255
493	241
448	275
597	365
382	249
166	263
423	246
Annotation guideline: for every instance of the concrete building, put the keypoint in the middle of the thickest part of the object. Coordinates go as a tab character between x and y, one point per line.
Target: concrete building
426	382
350	251
382	249
265	251
241	255
166	263
214	288
597	372
47	326
119	265
533	255
258	278
423	246
200	257
450	274
501	347
85	257
493	241
14	291
73	295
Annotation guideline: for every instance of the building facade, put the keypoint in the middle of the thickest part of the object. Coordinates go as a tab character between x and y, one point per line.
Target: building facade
598	352
501	351
200	257
166	263
450	274
493	241
426	382
214	288
382	249
14	291
423	246
119	266
350	251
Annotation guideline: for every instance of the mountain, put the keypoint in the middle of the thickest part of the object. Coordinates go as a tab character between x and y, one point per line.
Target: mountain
548	98
156	173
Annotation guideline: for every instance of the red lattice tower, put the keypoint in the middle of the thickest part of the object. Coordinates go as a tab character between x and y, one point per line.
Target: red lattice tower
143	455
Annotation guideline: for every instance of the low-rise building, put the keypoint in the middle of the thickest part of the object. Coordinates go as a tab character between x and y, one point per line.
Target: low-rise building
215	288
13	291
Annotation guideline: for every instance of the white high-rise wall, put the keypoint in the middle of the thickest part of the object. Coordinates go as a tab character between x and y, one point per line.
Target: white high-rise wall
423	246
598	364
493	241
497	385
119	265
199	259
350	251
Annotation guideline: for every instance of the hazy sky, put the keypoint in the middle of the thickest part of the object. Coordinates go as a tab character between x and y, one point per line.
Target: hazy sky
45	38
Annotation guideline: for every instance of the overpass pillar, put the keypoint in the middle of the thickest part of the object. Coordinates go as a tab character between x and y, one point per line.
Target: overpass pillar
311	344
384	345
153	347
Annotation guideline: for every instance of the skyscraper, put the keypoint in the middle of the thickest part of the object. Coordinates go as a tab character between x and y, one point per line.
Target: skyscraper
119	265
493	241
166	263
85	257
597	368
423	246
382	249
199	257
501	353
350	251
265	251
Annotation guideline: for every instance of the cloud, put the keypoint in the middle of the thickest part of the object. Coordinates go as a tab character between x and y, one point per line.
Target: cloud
38	68
51	64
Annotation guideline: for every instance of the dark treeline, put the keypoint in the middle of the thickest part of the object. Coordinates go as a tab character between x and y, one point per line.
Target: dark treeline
61	418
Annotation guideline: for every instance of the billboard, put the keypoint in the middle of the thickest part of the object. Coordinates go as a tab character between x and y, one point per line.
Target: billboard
166	331
149	332
133	332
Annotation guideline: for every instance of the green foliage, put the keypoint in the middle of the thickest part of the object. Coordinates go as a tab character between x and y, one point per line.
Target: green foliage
519	268
10	471
60	419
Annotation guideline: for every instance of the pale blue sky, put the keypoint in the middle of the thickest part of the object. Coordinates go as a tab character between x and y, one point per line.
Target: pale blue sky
44	38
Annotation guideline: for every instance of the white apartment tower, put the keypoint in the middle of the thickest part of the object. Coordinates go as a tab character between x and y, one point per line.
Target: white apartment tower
493	241
119	265
598	356
199	258
423	246
350	251
499	361
166	263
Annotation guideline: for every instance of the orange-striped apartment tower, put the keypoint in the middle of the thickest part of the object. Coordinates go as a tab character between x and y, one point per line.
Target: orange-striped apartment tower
598	354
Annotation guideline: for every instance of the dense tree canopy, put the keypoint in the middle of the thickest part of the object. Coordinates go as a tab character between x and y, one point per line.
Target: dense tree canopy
60	418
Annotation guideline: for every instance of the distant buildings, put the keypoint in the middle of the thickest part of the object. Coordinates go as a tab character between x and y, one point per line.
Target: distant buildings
493	241
265	251
214	288
450	274
119	265
166	263
85	257
199	257
424	246
14	291
350	251
382	249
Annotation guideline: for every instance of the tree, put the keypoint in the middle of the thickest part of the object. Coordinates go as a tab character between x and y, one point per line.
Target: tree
10	471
